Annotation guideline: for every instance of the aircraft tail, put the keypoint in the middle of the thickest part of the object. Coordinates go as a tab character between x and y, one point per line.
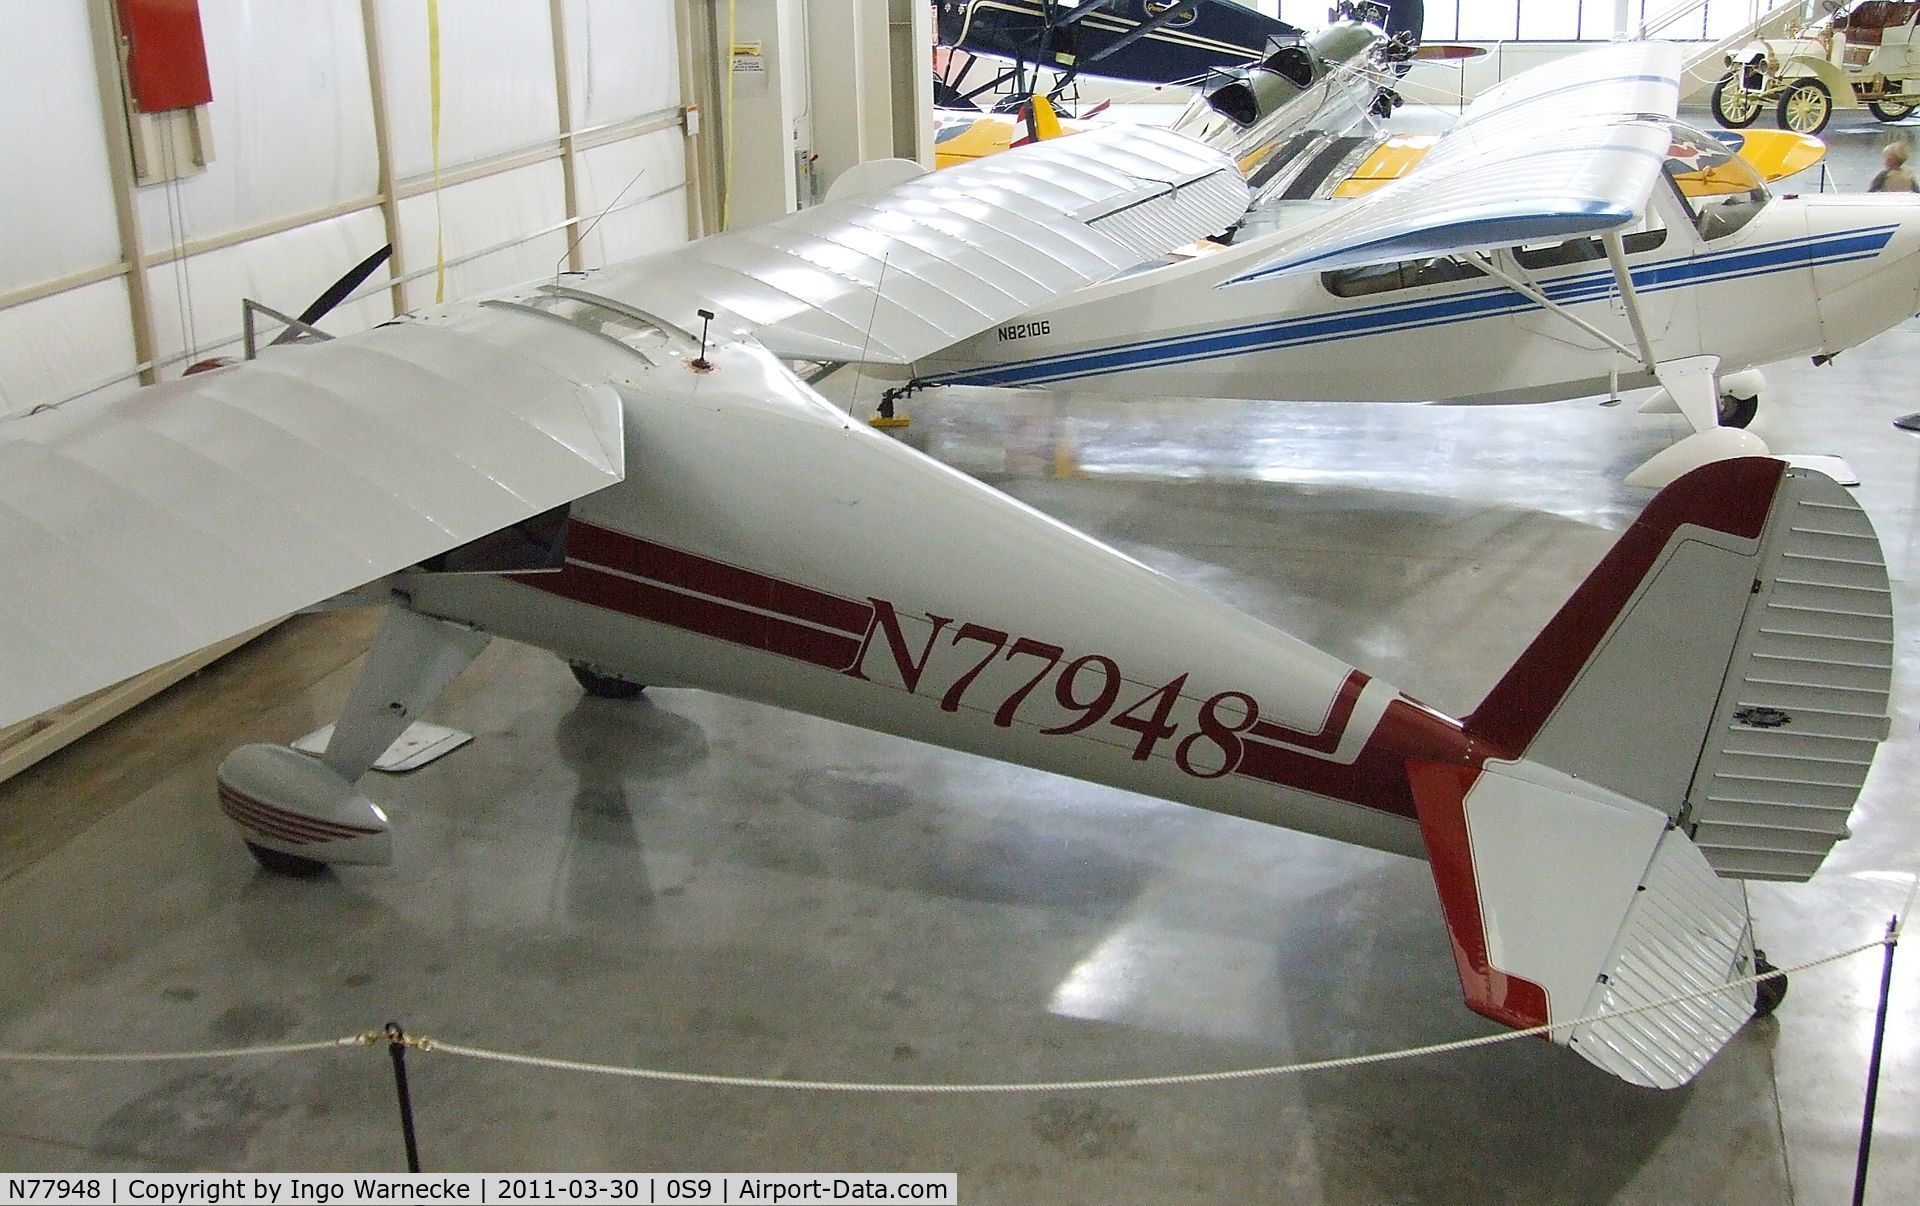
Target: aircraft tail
1703	709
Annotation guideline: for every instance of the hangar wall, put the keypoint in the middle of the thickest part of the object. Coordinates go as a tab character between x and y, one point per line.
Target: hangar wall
322	152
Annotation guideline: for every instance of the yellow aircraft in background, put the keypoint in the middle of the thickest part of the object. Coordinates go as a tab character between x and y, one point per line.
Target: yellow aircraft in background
1775	154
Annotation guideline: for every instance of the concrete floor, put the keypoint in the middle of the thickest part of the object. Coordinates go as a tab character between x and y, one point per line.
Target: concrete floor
695	883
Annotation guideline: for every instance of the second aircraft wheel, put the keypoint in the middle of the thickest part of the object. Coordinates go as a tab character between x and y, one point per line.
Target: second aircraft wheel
1738	412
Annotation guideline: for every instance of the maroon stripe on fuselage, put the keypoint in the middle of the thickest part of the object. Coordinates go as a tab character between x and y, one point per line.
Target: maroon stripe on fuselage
1339	713
689	571
643	600
1377	778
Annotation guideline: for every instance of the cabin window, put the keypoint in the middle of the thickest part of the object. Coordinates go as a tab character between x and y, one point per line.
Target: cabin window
1581	251
1407	274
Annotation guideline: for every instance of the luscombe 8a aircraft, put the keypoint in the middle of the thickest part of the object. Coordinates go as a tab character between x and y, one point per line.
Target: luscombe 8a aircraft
583	465
1565	238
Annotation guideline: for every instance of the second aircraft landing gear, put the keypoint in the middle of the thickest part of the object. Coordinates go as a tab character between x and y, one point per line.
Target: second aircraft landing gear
884	414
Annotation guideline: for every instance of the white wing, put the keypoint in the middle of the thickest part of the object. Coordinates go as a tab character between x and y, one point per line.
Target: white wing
1561	151
892	276
143	529
134	531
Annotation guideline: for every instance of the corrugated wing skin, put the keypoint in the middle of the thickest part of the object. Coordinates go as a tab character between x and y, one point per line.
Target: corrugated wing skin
1573	152
892	276
138	530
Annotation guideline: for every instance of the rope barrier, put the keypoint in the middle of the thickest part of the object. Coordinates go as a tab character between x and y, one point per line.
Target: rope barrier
429	1045
365	1039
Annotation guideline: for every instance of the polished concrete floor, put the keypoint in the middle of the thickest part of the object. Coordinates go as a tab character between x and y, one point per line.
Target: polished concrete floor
699	884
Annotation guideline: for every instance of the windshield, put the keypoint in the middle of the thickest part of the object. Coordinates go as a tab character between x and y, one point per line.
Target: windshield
1721	190
635	329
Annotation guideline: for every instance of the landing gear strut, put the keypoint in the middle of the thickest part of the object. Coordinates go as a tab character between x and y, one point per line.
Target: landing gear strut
883	415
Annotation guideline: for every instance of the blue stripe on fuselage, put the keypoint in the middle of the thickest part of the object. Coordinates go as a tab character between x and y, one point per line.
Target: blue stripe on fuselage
1760	260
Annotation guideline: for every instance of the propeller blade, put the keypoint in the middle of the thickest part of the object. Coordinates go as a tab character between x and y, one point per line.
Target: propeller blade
336	293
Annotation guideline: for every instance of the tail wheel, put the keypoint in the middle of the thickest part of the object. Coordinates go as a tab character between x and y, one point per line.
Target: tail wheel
603	686
1734	105
1767	994
1738	412
1806	107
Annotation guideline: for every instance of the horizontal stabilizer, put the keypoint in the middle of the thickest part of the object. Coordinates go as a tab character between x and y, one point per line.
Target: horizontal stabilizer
1567	901
890	276
142	528
1576	152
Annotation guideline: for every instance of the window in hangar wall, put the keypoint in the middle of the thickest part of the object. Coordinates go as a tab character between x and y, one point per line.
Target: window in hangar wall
1547	20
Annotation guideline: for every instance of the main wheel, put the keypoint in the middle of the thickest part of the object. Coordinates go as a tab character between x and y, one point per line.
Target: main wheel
1738	412
603	686
1805	107
1767	994
1734	105
281	863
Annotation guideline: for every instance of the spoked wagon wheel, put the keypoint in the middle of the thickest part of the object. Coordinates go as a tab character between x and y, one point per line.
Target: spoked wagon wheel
1805	107
1734	105
1895	105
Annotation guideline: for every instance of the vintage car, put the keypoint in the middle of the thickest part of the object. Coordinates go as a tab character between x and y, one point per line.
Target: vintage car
1851	54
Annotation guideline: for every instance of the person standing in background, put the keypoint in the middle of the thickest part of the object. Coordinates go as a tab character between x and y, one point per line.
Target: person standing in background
1894	177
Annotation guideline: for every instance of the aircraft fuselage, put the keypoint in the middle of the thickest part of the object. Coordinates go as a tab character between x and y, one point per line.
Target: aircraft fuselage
1801	276
764	545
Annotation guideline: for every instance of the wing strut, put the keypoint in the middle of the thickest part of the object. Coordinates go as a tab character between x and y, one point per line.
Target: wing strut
1623	276
1531	292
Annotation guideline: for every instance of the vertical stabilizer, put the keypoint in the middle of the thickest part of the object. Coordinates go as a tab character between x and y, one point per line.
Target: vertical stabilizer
1704	707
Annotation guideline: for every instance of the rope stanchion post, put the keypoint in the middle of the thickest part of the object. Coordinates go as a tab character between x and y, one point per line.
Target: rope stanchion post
397	1048
1873	1065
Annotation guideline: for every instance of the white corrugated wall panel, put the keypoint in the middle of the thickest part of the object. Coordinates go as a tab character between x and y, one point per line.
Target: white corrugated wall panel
497	88
196	302
58	345
482	214
56	198
622	59
292	119
640	184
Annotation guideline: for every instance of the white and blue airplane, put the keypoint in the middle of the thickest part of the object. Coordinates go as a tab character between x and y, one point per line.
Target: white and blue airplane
1543	249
